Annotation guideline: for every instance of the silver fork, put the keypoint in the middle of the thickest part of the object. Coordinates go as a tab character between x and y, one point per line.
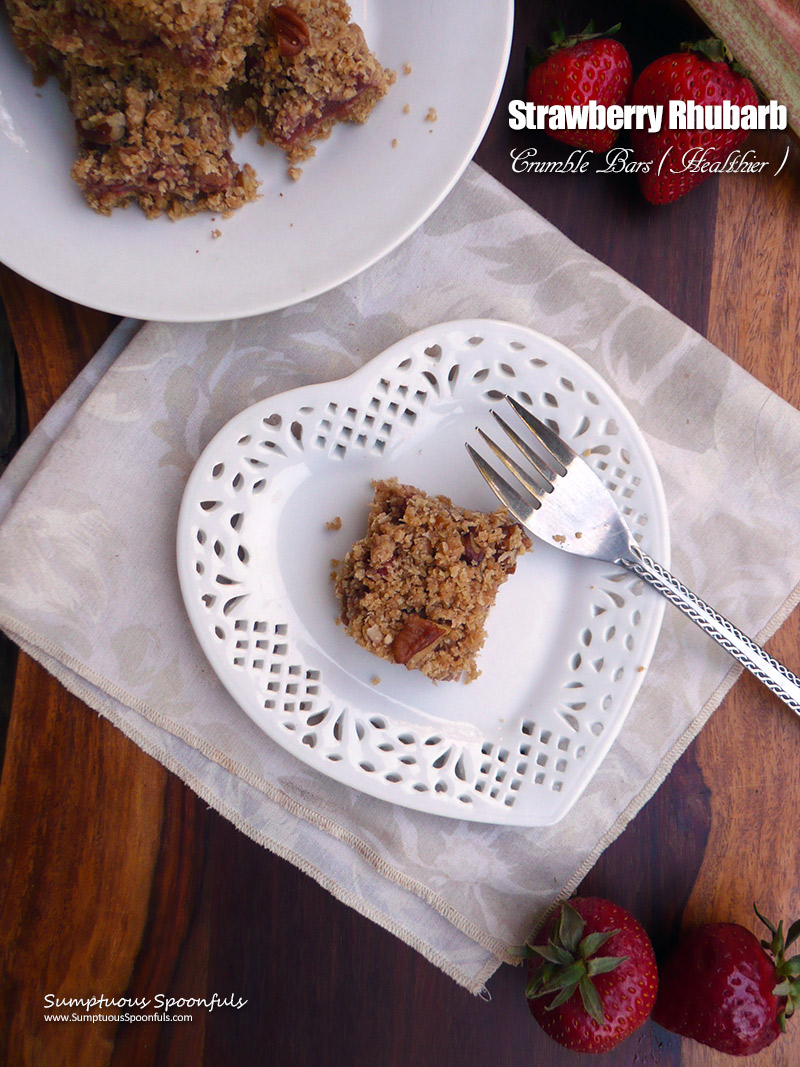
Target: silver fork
565	504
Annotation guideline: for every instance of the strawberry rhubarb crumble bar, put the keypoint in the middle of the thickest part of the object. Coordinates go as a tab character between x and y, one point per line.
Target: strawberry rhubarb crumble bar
156	86
418	587
144	142
310	68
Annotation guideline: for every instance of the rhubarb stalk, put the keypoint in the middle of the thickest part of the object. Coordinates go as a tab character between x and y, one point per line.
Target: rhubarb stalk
764	36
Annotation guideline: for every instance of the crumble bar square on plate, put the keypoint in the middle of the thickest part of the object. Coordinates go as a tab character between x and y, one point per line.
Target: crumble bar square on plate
310	69
202	42
155	86
417	589
166	149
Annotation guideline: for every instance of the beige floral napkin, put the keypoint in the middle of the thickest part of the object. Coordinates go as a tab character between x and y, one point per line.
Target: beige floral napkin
88	583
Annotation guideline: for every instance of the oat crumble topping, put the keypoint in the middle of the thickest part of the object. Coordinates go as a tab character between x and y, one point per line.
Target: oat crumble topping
418	587
156	86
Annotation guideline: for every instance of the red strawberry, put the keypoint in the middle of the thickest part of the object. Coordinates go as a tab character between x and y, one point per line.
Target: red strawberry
575	70
586	1001
724	988
706	77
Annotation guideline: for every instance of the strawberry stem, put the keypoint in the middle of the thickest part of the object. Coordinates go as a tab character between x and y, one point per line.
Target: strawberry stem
560	40
569	962
787	970
589	33
716	50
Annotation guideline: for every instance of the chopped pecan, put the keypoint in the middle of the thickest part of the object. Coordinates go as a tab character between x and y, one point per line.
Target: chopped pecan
508	533
102	128
417	637
212	183
472	553
290	30
382	550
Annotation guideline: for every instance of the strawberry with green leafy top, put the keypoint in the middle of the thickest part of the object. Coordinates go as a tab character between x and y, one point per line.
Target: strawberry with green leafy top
705	74
724	988
592	975
575	70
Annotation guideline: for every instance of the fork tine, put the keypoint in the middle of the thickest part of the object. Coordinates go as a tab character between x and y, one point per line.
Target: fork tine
559	449
519	472
517	505
543	468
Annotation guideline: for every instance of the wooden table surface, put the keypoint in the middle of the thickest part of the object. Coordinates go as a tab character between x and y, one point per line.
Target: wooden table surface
117	878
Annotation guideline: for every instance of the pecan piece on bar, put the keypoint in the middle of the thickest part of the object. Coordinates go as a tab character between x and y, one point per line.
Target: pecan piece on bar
472	553
290	30
417	637
102	129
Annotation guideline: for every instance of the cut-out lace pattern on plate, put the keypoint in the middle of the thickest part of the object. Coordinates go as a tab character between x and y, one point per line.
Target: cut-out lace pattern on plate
254	555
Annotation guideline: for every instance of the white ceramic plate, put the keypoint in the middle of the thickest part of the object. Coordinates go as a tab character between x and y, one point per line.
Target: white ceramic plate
568	639
356	200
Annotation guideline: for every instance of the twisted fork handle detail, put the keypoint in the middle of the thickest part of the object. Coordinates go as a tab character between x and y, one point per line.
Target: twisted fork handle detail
777	678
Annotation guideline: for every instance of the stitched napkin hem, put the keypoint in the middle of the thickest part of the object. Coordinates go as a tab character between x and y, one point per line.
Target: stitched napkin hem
98	693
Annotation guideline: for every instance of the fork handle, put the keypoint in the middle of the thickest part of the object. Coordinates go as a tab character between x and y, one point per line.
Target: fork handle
768	670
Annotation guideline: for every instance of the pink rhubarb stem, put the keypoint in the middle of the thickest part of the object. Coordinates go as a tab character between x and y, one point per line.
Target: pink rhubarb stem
764	35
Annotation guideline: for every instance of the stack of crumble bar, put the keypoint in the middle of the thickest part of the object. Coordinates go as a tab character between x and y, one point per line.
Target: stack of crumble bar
156	86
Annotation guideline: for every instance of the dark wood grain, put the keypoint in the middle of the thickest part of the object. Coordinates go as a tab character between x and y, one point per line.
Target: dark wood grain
117	879
61	337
